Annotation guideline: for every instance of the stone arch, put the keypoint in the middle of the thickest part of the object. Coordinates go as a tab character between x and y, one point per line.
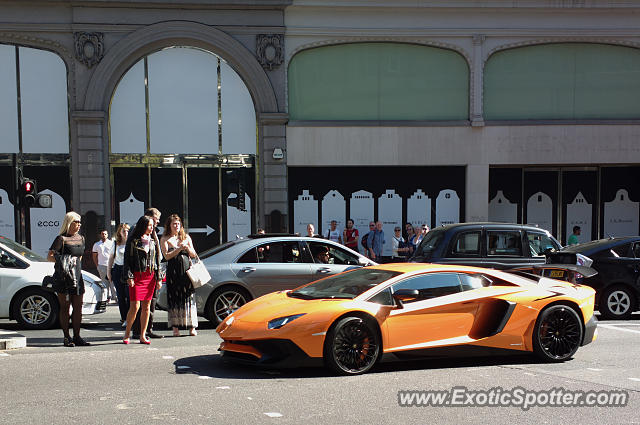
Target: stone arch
119	58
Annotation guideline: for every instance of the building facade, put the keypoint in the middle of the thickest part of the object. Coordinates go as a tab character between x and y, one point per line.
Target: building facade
427	112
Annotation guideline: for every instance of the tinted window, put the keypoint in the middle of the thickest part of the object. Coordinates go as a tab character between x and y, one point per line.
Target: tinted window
336	255
431	285
467	244
473	281
383	298
504	243
8	261
273	252
622	250
430	243
539	242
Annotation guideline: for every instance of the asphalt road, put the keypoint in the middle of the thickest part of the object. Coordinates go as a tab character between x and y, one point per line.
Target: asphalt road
183	380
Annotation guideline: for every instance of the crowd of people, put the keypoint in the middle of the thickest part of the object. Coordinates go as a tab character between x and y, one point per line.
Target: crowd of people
132	267
372	242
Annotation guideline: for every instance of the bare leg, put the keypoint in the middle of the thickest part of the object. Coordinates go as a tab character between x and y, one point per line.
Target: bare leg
144	318
176	331
131	316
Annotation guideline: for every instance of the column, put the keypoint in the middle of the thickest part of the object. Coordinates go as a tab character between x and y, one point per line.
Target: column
477	192
477	119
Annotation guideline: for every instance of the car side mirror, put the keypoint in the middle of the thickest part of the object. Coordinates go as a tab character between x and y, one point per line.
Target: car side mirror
405	295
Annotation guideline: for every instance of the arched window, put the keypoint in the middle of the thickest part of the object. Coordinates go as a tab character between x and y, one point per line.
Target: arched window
33	101
566	81
183	100
378	81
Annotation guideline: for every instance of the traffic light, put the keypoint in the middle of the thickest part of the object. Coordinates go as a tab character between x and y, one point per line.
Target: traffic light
28	191
30	196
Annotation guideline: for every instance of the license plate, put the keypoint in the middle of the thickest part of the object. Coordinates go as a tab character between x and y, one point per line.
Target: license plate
556	273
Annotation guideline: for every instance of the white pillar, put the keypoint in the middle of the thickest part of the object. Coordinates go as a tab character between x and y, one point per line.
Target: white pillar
477	193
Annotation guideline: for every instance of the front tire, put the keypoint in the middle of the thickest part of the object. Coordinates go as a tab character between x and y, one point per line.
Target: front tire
352	346
557	334
225	301
36	309
617	302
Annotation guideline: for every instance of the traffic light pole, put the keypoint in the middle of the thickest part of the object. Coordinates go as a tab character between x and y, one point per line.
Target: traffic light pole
20	209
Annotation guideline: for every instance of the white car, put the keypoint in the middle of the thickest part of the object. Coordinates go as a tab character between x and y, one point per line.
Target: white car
22	297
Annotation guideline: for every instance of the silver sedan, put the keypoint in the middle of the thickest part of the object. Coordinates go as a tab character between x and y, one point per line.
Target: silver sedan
245	269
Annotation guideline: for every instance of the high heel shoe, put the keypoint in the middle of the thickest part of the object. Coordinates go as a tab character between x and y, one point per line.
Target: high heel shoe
125	341
145	341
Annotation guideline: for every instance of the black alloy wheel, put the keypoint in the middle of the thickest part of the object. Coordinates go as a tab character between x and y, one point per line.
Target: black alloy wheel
352	346
558	333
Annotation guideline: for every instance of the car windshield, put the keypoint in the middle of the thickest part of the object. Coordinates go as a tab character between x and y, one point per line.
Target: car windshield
346	285
21	249
430	243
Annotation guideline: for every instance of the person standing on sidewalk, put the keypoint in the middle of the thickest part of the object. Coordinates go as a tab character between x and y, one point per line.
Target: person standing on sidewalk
375	239
100	254
114	270
140	269
66	251
154	215
350	236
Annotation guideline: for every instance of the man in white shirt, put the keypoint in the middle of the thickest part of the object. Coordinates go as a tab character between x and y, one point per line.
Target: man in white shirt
333	234
100	253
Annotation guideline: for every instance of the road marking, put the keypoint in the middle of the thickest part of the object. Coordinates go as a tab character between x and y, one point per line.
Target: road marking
152	349
530	374
618	329
249	398
4	355
118	333
594	369
273	414
204	377
635	379
168	357
224	387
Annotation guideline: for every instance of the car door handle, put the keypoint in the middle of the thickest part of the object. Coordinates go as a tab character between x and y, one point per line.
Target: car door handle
324	270
248	269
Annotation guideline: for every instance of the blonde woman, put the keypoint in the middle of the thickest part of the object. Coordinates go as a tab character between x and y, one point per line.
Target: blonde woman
66	251
177	248
114	270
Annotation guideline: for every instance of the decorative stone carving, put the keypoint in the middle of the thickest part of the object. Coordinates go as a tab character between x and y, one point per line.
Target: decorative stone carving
89	47
270	50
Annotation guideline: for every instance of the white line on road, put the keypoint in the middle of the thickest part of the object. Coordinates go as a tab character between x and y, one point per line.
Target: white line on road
224	387
530	374
594	369
204	377
273	414
618	329
168	357
4	355
635	379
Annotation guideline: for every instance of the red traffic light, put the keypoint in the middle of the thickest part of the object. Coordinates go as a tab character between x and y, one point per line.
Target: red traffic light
28	187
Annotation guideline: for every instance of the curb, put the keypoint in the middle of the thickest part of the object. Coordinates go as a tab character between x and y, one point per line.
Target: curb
10	340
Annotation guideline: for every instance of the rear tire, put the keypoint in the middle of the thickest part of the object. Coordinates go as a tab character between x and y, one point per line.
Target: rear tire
36	309
352	346
557	334
617	302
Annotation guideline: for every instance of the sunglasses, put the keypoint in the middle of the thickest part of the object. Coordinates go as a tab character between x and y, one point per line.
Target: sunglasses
77	221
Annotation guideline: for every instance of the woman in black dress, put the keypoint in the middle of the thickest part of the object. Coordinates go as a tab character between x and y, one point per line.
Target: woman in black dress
177	248
66	251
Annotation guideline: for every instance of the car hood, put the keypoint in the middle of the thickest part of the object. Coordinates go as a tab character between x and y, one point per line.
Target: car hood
278	304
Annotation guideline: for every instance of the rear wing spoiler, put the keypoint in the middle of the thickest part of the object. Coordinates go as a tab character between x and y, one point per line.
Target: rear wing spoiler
566	272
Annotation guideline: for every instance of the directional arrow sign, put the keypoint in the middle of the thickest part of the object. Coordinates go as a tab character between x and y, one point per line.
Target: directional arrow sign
208	230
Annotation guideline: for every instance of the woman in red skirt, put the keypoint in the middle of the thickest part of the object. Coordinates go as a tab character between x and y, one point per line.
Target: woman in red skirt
140	268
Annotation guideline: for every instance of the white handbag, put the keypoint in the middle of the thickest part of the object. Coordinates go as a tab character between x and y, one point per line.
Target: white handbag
198	273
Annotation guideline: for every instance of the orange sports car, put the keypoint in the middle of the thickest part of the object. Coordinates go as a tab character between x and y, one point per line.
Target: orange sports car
350	320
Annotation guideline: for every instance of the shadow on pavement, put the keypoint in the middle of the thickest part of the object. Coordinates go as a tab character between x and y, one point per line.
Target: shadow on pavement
216	367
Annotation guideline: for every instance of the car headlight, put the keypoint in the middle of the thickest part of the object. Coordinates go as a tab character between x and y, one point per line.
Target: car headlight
281	321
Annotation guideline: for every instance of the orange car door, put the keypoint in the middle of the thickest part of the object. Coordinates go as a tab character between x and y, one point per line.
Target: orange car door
441	315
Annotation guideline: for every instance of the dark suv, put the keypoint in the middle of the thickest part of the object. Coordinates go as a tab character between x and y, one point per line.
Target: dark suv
493	245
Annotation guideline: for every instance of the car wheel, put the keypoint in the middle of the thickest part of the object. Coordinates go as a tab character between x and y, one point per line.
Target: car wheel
558	333
352	346
617	302
36	309
225	301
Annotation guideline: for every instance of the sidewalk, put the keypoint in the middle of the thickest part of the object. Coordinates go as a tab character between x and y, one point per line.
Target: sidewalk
11	339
